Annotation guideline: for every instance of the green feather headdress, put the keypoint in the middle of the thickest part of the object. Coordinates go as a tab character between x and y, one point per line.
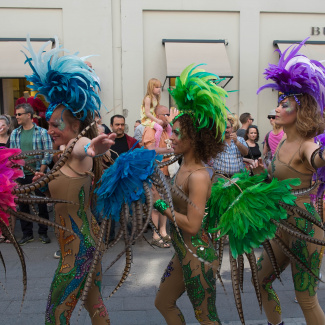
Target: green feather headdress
197	94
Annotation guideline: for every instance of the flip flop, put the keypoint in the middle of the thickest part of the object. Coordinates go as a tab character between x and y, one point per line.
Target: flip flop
159	243
167	239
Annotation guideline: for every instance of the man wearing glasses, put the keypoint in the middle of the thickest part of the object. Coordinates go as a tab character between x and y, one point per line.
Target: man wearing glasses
246	120
27	137
272	138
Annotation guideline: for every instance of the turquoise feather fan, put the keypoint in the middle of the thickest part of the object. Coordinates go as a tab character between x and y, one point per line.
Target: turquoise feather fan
242	209
197	94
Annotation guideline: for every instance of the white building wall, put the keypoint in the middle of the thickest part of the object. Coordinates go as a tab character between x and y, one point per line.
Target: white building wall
127	34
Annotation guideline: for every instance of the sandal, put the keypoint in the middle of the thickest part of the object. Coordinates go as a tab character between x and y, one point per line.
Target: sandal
159	243
2	239
167	239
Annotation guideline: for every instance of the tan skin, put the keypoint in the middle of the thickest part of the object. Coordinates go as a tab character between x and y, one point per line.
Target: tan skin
276	130
199	184
286	116
64	131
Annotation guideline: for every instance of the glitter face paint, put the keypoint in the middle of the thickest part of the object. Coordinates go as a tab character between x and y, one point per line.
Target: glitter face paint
288	106
178	133
61	125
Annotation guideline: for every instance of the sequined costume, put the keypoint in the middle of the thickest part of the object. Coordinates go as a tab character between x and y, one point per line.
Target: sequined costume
185	272
76	252
311	254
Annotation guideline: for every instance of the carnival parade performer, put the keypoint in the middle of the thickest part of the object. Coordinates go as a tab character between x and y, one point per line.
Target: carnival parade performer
300	111
72	91
197	135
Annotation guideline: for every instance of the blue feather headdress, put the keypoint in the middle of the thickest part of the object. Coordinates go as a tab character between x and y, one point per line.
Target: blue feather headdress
295	75
65	80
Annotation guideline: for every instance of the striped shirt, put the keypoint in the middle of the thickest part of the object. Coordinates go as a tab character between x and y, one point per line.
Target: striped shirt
41	141
230	161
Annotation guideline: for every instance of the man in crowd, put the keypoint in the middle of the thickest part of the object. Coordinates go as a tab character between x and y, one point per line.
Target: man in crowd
138	130
28	136
148	141
123	143
230	160
246	120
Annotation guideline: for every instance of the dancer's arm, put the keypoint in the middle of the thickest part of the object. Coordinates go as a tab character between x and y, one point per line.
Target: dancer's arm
199	185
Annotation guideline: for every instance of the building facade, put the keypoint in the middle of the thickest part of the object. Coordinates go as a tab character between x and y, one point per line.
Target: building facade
127	38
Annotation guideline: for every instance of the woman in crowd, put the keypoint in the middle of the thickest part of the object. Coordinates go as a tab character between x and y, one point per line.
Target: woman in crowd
252	136
300	113
73	102
197	140
5	130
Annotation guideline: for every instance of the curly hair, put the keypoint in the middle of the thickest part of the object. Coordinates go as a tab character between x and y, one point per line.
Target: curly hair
205	142
257	131
309	121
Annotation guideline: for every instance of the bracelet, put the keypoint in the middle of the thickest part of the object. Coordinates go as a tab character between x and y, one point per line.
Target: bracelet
86	148
161	206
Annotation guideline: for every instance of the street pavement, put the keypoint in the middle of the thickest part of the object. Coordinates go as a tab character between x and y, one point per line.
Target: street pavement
133	303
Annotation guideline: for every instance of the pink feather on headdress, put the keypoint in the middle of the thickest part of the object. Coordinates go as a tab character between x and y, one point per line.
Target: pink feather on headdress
296	74
8	175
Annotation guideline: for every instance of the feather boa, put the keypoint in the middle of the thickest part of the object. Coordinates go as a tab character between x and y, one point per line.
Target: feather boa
245	216
8	175
122	182
197	94
296	74
63	80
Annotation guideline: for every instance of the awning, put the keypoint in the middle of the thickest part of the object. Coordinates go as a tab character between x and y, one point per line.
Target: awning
181	53
314	50
12	59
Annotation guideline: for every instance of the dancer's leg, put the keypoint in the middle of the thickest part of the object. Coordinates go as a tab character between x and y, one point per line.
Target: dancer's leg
305	284
266	276
170	289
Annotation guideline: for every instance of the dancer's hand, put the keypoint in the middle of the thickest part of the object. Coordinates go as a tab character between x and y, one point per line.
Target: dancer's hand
172	114
101	144
257	166
37	176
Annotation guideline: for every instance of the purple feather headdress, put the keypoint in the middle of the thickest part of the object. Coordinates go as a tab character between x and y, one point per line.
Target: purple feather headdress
295	74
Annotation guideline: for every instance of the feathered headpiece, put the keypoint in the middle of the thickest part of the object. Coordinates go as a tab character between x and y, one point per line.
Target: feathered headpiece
65	80
197	94
295	74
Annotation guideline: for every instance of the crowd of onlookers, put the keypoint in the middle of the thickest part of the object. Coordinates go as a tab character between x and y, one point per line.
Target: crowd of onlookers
27	131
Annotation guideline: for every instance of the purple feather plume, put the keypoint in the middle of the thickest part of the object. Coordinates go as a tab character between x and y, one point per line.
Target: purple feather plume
296	74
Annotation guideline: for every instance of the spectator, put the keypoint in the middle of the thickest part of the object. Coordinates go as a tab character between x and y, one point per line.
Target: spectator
149	142
123	143
272	138
99	122
37	105
5	130
230	161
246	120
28	136
234	121
138	131
252	136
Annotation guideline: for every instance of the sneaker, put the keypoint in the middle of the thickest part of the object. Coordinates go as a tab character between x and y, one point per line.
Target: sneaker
44	239
25	240
57	254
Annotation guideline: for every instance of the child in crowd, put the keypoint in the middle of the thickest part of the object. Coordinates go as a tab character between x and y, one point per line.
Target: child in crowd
149	104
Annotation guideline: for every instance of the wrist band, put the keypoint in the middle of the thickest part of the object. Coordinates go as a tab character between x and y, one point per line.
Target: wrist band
161	206
86	148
